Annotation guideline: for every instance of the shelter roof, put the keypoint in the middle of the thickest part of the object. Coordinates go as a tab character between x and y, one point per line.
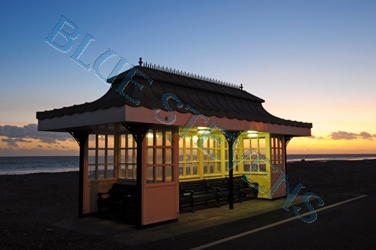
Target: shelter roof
173	90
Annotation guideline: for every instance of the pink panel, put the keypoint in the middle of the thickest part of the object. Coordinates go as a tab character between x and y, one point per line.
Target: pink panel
160	203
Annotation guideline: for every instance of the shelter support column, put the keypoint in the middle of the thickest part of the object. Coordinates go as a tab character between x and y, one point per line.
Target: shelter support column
287	140
138	131
231	138
81	137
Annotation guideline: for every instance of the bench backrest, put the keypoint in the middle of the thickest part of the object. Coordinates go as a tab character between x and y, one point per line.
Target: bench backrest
119	190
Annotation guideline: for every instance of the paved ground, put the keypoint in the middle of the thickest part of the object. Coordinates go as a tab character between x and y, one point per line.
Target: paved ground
212	224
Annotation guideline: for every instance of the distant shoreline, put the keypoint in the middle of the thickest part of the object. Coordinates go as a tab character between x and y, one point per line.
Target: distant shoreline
312	163
339	154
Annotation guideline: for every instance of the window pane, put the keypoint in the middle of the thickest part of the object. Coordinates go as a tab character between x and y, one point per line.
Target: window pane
168	155
150	156
110	171
205	156
91	175
150	175
101	141
134	172
101	156
181	154
263	166
110	141
111	156
181	167
254	144
210	143
168	138
122	141
169	173
187	142
159	138
245	143
194	141
122	155
101	170
159	155
131	158
130	171
218	167
188	169
194	154
246	167
194	166
205	167
254	166
181	142
187	154
262	142
91	156
159	174
247	154
122	171
131	143
91	143
262	153
150	138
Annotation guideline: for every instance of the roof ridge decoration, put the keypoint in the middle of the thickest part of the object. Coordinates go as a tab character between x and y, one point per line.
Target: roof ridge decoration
187	74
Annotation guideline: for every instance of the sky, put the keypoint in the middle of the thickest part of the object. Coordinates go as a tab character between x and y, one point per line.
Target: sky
311	61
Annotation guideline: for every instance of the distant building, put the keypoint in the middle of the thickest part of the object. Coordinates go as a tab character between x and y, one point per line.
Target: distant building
172	129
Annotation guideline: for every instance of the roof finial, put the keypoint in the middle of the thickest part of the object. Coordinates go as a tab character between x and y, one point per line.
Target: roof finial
241	86
140	62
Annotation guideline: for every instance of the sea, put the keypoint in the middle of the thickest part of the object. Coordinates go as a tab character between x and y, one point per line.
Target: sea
11	165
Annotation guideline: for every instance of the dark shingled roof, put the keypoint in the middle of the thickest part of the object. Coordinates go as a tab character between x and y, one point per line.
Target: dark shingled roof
209	98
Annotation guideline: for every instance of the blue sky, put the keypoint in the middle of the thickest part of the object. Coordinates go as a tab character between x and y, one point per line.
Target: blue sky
312	61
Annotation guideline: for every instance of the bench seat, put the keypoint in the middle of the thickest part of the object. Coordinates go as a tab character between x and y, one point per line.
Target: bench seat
195	192
119	197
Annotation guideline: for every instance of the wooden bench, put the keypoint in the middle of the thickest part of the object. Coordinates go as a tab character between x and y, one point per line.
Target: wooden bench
222	187
194	192
119	197
247	190
240	188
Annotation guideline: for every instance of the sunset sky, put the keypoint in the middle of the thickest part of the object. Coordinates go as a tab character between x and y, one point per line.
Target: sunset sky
311	61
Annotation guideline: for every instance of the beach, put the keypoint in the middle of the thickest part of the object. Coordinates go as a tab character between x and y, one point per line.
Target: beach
31	204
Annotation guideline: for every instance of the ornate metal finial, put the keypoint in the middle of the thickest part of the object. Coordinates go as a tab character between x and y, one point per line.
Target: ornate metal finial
140	62
241	86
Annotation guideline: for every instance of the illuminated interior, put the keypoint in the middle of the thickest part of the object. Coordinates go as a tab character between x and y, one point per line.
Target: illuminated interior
201	154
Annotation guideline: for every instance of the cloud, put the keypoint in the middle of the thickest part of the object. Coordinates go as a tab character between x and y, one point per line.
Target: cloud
320	138
16	134
30	131
12	142
343	135
365	135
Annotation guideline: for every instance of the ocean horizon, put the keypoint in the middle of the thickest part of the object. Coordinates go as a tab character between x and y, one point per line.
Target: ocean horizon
17	165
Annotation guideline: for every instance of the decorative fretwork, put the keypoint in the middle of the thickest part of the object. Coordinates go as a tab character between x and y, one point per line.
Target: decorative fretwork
187	74
231	136
288	139
138	130
80	135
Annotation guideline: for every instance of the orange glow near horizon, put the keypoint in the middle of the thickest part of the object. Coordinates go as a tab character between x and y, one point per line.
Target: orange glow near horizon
297	145
306	145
